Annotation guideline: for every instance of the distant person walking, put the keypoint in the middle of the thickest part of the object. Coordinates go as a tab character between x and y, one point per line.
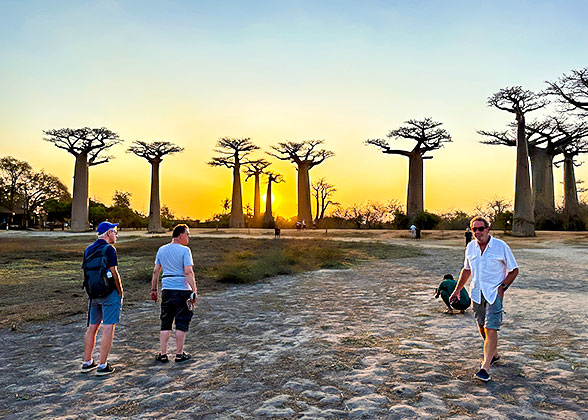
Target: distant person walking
492	267
417	235
413	231
178	291
100	266
468	236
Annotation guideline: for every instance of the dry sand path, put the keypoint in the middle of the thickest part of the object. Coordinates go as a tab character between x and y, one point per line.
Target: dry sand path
369	342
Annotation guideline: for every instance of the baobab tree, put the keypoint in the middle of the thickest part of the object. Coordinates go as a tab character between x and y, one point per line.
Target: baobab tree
570	153
571	90
233	152
545	140
428	137
518	101
268	217
322	191
154	153
304	155
87	145
255	170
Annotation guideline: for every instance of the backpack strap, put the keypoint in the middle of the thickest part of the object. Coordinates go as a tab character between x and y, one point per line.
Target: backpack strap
102	252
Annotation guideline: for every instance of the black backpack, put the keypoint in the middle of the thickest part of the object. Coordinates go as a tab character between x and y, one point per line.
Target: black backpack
96	281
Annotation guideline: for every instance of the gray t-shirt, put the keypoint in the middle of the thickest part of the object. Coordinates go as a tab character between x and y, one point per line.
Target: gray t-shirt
173	258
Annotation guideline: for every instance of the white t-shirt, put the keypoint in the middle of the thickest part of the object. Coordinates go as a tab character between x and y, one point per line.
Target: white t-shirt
173	258
488	269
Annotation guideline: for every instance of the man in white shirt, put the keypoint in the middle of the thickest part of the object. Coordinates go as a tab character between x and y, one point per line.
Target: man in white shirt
492	267
178	291
412	231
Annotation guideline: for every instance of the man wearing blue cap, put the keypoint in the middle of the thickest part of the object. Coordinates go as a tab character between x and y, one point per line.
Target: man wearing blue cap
104	310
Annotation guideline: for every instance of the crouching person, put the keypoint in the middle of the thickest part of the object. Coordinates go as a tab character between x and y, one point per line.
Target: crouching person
178	291
445	288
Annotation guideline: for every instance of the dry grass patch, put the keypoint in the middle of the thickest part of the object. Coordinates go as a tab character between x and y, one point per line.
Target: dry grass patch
41	277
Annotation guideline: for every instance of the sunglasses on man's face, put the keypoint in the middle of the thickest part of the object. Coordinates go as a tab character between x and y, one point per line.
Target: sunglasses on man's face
480	229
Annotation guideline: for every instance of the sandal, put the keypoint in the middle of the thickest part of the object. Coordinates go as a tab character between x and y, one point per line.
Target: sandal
162	358
182	357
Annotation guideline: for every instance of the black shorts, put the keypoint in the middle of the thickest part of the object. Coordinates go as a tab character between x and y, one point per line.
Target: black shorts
173	307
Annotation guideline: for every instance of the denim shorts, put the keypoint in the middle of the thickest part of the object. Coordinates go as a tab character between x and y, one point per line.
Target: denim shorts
106	309
174	309
489	315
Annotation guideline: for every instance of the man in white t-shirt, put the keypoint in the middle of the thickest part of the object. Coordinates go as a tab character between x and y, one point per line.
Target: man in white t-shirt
493	268
178	291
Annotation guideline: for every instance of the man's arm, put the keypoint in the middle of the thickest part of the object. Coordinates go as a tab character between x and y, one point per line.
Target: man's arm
155	281
508	280
189	273
116	277
463	278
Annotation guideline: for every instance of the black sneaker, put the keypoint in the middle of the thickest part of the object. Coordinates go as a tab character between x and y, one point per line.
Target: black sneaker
482	375
182	357
106	370
495	360
88	367
162	358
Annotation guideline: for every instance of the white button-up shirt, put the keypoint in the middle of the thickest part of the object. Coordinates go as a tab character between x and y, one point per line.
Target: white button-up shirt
488	269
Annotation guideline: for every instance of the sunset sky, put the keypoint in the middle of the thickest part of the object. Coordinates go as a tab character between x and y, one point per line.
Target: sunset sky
190	72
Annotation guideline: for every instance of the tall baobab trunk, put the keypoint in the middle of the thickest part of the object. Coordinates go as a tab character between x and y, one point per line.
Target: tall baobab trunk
523	219
237	220
256	203
570	189
414	202
304	211
268	217
542	175
80	201
154	222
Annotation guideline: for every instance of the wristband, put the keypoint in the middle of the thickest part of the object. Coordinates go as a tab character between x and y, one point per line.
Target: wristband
504	287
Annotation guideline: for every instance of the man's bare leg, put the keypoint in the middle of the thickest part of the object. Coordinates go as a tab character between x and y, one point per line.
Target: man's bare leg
482	331
163	340
90	341
106	342
180	338
490	344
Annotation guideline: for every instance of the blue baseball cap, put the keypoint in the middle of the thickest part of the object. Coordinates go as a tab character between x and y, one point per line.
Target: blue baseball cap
105	227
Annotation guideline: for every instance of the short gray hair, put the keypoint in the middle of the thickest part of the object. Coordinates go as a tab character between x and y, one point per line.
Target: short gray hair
479	219
105	233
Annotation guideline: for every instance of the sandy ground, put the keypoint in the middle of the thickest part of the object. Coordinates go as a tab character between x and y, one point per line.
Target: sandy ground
370	342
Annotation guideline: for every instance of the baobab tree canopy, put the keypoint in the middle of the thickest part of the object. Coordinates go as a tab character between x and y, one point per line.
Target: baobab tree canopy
79	141
305	155
87	145
153	153
571	90
233	152
516	100
428	137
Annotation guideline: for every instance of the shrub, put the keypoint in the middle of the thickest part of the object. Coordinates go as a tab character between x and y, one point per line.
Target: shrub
426	220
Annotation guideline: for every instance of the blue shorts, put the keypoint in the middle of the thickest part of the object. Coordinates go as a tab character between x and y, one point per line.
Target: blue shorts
489	315
106	309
